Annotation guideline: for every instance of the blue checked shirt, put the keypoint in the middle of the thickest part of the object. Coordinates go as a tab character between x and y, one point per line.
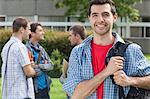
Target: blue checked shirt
80	68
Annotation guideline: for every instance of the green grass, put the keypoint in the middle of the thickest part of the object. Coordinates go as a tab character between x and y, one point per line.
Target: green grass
147	56
57	90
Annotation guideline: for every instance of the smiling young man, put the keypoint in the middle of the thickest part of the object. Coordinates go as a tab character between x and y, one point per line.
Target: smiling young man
88	76
41	60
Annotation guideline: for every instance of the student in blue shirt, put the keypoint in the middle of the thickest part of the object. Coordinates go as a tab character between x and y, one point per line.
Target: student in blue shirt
42	61
130	70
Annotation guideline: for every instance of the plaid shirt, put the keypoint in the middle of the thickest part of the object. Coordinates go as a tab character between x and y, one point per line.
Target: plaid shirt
14	81
80	68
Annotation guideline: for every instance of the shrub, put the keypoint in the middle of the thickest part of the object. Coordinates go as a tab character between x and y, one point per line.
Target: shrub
56	58
57	40
4	37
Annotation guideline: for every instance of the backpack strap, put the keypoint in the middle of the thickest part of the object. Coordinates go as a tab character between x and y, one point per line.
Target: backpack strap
6	67
117	50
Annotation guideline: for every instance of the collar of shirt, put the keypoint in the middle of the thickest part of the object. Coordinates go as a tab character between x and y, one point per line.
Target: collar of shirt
15	39
36	47
87	41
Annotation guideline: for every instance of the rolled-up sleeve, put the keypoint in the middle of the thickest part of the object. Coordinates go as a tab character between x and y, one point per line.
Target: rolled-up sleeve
74	73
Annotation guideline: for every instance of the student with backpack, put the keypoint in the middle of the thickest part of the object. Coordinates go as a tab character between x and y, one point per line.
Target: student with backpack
97	69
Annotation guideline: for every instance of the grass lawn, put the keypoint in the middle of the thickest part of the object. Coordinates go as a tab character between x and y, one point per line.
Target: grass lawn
56	90
147	56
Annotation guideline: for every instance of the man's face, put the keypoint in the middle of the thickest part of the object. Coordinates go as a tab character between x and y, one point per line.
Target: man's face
102	19
39	33
73	38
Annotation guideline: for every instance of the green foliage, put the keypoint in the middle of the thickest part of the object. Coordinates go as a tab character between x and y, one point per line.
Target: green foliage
147	56
74	7
56	58
4	37
125	8
57	40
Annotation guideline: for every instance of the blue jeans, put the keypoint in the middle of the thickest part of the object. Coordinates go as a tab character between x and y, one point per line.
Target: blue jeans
42	94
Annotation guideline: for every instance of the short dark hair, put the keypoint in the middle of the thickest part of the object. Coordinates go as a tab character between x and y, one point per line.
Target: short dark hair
78	29
18	23
101	2
33	27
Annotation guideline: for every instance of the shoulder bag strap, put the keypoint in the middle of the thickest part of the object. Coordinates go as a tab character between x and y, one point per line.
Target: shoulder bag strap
6	65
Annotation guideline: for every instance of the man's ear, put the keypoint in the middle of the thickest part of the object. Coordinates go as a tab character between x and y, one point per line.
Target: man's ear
115	17
32	33
88	17
78	36
21	30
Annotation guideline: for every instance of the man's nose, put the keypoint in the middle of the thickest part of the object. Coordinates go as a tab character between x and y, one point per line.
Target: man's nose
100	18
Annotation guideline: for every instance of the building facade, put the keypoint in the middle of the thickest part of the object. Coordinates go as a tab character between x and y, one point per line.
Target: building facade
44	11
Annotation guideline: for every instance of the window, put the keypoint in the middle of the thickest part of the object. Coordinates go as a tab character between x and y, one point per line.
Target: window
2	19
52	19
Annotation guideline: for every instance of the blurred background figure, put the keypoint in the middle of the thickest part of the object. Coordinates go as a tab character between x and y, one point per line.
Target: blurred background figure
16	67
42	61
77	34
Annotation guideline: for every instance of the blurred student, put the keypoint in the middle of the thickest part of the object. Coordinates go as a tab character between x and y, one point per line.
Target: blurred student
16	65
76	36
42	61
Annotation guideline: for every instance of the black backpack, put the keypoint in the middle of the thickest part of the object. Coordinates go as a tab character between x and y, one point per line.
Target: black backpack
134	93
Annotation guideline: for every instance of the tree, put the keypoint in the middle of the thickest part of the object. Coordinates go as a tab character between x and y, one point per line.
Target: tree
125	8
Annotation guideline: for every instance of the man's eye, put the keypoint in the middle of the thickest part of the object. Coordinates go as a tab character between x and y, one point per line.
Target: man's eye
105	14
94	15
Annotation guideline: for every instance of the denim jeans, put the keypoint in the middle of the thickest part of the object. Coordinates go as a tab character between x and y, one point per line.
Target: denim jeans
42	94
